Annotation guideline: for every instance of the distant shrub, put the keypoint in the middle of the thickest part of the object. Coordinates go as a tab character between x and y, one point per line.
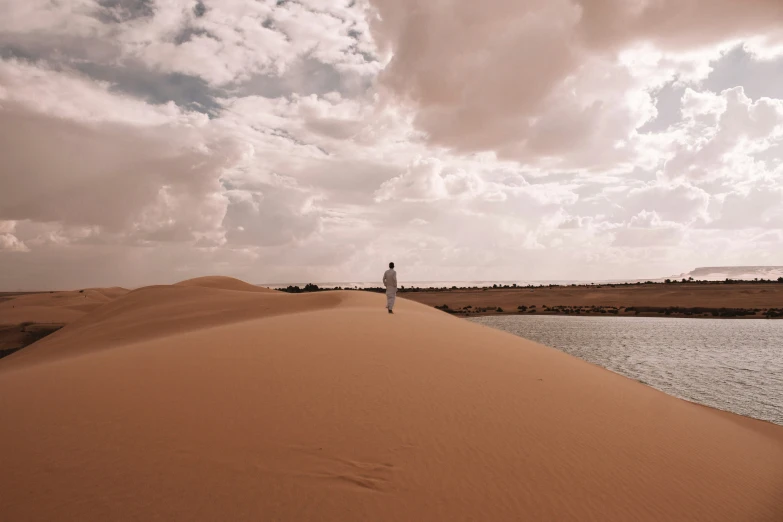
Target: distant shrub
522	307
499	309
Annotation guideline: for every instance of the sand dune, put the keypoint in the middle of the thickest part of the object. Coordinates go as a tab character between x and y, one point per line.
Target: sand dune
160	311
202	402
55	307
223	283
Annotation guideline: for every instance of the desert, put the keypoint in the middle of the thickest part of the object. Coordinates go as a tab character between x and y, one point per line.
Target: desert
214	399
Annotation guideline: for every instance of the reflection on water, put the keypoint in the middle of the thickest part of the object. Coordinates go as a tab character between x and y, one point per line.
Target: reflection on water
731	364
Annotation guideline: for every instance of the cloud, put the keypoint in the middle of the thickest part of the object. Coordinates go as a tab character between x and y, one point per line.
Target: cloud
8	241
429	180
760	78
542	78
761	206
276	141
76	154
722	135
646	230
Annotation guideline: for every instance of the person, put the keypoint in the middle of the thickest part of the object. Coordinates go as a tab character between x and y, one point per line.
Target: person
390	282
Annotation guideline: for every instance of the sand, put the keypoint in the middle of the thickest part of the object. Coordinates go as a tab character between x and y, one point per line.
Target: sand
209	402
55	307
25	317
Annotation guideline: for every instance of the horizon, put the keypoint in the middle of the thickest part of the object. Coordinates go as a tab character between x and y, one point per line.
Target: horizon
144	141
717	274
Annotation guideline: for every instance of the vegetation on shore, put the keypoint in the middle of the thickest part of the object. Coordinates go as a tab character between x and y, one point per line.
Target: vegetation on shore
675	311
310	287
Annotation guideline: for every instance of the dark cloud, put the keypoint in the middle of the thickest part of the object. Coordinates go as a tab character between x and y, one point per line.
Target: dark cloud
122	178
199	9
189	32
189	92
119	11
100	61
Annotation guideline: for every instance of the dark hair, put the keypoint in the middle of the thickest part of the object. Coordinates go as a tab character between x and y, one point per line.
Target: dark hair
391	265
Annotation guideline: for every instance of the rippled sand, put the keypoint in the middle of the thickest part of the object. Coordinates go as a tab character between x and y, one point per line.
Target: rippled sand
215	401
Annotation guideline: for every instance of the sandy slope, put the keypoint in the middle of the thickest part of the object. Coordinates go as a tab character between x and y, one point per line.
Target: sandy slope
194	403
224	283
55	307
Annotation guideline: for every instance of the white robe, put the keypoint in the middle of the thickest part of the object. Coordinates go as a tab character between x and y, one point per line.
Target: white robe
390	282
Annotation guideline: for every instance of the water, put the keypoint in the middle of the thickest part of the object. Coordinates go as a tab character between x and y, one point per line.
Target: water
731	364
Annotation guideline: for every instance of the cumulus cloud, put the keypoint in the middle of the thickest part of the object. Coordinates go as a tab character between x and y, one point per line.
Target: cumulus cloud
545	78
430	180
8	241
146	141
223	43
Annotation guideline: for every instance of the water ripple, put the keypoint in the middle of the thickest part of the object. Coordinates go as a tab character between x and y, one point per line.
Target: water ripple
734	365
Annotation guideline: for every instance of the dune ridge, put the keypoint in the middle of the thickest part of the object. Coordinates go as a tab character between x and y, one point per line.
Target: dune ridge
56	307
223	283
162	310
244	405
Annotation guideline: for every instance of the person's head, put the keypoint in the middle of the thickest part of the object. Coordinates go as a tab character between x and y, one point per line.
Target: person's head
391	265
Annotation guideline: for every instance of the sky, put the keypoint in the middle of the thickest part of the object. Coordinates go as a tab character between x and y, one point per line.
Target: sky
150	141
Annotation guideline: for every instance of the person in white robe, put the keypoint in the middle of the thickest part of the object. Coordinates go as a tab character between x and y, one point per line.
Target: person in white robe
390	282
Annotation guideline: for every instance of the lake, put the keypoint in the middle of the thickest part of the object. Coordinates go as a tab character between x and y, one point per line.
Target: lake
731	364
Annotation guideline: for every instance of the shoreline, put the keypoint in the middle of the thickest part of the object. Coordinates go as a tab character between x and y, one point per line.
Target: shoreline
685	300
630	316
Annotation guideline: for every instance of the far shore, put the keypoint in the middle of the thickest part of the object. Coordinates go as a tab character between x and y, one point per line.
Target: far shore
691	299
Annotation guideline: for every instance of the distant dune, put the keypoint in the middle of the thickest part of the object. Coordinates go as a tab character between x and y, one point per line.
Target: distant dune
212	400
223	283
